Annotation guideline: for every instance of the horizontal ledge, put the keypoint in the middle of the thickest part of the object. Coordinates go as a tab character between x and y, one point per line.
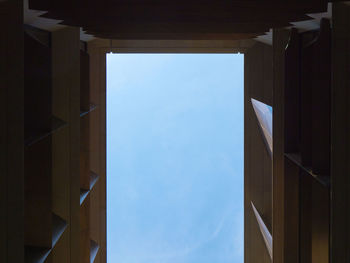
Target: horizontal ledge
91	108
59	226
35	254
296	159
93	179
263	114
94	248
85	192
38	34
40	254
264	231
56	124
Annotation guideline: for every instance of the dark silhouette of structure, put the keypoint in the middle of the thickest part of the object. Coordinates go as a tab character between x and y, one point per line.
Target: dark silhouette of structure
53	119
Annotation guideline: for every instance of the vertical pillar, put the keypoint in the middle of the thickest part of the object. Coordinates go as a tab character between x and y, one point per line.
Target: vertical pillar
11	132
340	135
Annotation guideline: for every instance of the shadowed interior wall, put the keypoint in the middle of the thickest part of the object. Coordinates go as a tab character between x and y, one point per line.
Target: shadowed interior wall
340	134
257	159
264	72
65	144
11	132
98	148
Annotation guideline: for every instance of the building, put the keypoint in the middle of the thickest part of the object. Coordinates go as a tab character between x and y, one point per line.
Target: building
53	146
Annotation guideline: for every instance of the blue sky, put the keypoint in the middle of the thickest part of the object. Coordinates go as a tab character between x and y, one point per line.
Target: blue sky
174	158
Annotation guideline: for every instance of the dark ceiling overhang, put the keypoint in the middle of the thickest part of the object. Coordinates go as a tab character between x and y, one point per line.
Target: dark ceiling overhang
166	19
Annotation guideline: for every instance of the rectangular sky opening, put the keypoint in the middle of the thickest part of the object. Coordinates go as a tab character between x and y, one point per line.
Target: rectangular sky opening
175	158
